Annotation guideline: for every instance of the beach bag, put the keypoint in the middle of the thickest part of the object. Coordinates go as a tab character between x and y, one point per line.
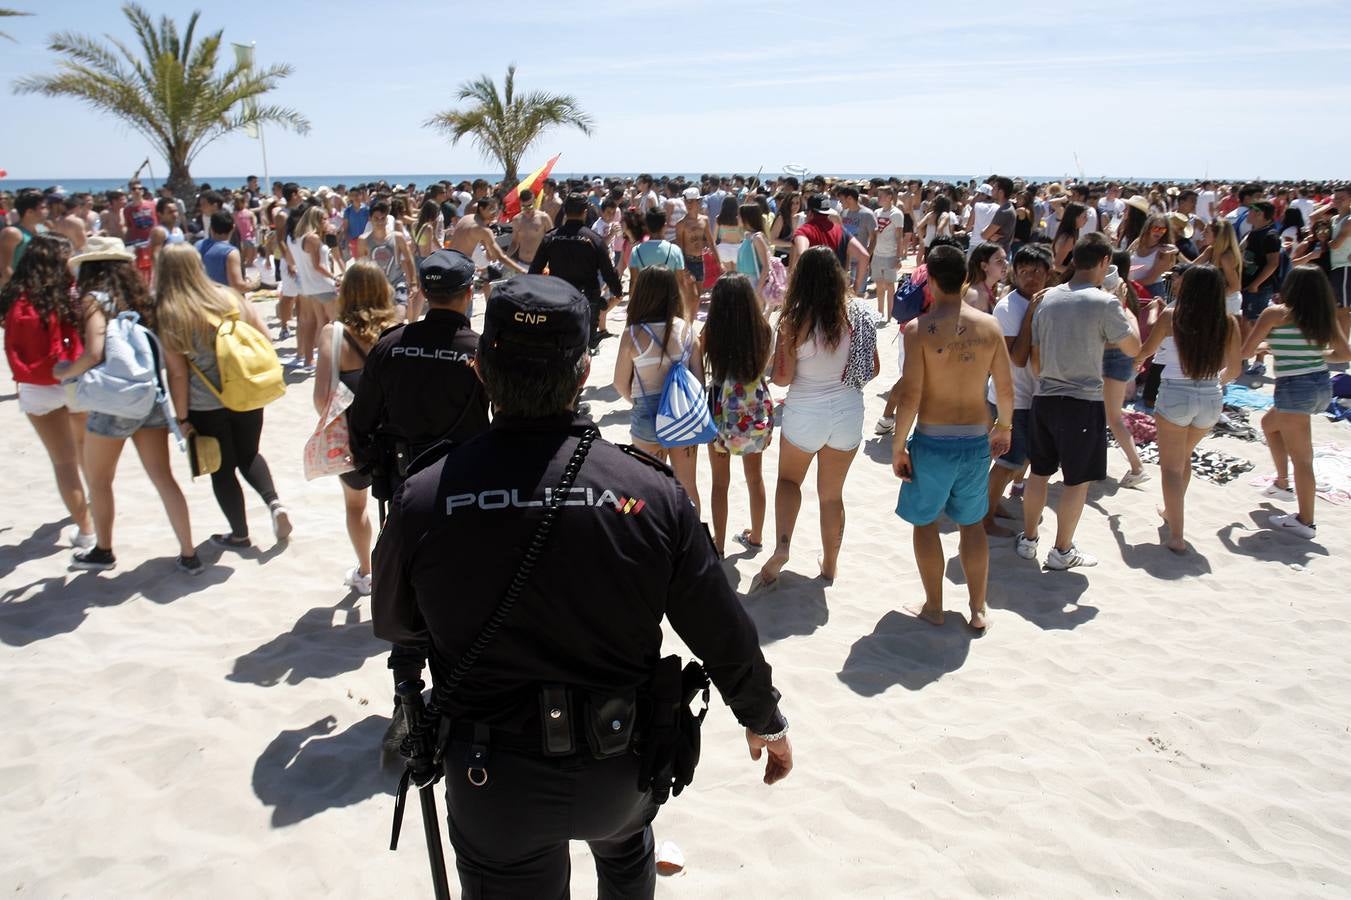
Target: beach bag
858	368
683	419
776	286
34	345
329	449
909	300
250	374
131	379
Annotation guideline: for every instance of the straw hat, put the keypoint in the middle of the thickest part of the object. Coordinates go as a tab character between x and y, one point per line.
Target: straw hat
101	249
1182	224
1140	203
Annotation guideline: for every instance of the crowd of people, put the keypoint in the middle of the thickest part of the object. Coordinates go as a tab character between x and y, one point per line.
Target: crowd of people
753	285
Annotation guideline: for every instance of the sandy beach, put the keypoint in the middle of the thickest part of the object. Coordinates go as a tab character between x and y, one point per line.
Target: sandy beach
1154	727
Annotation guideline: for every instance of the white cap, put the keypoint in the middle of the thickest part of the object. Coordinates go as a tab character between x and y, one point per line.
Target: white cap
691	193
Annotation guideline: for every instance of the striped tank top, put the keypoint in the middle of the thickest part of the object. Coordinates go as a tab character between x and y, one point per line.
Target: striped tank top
1294	354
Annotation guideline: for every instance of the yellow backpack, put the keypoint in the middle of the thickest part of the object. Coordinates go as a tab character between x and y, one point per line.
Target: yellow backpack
250	373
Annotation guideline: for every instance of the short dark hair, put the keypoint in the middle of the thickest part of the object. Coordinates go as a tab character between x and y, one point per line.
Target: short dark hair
527	196
28	200
212	197
289	190
164	203
1005	184
380	206
574	204
1091	250
222	222
655	221
947	268
543	388
847	190
1264	207
1033	255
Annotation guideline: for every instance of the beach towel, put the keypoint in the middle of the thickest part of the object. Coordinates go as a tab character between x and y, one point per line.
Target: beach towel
1331	474
1213	465
1243	397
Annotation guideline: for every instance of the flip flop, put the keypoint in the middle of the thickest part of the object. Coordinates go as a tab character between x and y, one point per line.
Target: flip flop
744	540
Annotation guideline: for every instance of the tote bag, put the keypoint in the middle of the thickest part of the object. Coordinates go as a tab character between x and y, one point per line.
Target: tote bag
329	449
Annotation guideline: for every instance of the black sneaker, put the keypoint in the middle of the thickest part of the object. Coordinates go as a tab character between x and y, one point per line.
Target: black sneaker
229	540
396	732
95	559
192	565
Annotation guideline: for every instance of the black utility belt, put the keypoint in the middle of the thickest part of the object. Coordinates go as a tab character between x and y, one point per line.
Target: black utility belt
571	721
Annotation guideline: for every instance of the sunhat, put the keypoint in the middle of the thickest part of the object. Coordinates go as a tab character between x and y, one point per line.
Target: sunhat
101	249
1182	224
1140	203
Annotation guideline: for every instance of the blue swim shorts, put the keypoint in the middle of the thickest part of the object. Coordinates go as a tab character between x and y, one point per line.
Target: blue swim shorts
951	475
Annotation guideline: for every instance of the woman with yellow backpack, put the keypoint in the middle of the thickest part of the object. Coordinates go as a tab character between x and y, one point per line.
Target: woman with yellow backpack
222	372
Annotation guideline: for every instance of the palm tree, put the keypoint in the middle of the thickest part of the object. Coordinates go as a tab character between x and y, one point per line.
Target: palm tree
504	126
8	13
169	91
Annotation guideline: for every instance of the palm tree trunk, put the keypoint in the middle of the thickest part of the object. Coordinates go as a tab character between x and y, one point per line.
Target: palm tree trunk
180	180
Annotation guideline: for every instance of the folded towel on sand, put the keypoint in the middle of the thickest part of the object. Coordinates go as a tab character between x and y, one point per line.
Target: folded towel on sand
1331	474
1238	395
1212	465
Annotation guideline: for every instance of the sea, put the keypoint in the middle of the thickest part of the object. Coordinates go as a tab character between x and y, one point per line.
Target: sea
313	182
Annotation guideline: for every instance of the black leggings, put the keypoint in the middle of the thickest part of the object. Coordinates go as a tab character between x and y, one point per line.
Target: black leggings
238	433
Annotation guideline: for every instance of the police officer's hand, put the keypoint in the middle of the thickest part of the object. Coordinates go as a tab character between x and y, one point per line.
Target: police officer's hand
780	761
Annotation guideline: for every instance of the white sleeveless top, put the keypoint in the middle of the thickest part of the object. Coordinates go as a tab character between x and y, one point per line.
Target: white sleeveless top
311	282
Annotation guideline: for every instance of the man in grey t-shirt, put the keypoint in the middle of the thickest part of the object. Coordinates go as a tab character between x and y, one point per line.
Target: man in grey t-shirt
1072	325
1000	229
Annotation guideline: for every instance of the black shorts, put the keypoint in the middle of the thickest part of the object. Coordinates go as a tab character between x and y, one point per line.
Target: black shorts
1070	435
908	224
1341	286
695	266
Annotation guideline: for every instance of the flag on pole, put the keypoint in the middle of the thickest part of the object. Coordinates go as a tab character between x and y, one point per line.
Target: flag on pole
244	57
511	206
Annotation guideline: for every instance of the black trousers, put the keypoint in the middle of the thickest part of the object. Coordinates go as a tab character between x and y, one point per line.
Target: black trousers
511	835
238	433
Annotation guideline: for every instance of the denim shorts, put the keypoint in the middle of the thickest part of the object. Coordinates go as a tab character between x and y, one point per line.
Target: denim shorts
834	421
1117	365
1308	394
643	419
1254	303
1017	454
120	428
1189	404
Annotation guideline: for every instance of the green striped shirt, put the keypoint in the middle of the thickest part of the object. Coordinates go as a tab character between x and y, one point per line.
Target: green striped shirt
1293	353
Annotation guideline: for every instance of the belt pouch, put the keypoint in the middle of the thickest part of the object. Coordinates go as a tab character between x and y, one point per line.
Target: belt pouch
609	724
555	713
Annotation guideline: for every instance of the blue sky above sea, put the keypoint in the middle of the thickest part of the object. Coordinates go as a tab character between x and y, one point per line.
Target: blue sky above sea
1224	88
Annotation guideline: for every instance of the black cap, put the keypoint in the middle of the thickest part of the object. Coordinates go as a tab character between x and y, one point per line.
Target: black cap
818	203
445	272
536	317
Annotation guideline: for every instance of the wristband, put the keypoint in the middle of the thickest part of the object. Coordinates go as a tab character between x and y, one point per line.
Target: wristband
1003	427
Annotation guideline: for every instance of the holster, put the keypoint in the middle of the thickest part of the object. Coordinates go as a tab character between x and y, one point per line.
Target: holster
668	750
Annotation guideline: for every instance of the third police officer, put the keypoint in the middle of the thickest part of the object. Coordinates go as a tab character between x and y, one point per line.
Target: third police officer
559	719
419	393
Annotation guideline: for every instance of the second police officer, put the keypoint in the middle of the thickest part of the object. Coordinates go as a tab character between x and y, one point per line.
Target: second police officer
547	736
419	389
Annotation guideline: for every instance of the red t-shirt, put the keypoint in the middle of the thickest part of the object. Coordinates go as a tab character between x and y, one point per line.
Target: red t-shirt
821	231
139	218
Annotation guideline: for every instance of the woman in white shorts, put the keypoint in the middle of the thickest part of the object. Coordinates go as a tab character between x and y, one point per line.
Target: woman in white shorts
36	298
1205	354
823	415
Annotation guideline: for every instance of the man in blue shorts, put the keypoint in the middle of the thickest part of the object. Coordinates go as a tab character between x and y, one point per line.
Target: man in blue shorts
950	352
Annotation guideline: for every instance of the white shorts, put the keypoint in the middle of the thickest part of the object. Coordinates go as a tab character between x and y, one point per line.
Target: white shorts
835	421
290	285
1233	303
728	252
40	399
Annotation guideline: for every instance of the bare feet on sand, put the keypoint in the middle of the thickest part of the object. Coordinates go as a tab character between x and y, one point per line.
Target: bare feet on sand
994	530
980	619
826	576
768	577
1176	544
932	615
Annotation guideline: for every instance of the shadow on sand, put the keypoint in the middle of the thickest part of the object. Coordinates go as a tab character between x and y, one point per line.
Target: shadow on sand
1155	558
306	771
324	642
1261	541
40	544
796	606
904	649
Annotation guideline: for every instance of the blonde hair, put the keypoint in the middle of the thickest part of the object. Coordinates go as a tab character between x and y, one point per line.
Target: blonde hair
186	297
312	222
365	301
1225	242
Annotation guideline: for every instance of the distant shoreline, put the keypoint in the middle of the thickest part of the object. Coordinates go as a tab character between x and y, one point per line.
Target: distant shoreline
311	182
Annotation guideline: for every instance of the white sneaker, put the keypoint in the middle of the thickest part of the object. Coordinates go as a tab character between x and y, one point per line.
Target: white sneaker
77	538
1133	479
1279	493
1027	547
1069	559
281	522
358	582
1293	525
885	425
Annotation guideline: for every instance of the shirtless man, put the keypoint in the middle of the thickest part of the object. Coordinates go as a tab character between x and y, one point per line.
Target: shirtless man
549	202
66	220
472	235
527	230
113	225
694	236
950	351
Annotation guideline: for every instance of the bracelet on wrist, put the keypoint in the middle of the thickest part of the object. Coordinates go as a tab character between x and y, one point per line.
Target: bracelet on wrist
1002	427
776	736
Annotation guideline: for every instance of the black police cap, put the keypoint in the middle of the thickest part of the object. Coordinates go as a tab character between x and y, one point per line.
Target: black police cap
446	272
536	317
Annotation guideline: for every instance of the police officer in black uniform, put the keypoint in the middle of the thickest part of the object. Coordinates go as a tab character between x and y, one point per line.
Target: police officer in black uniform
419	389
580	257
528	765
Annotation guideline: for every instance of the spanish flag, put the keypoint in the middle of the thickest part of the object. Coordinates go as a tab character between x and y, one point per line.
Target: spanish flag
511	206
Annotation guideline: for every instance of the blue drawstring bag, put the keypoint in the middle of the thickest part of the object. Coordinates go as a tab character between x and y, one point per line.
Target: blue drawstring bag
683	416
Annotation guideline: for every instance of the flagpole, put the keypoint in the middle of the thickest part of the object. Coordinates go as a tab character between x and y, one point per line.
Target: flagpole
262	142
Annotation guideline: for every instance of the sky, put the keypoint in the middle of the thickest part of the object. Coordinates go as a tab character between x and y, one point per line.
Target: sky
1190	88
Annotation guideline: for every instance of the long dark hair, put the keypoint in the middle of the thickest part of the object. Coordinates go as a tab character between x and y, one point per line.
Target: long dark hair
655	297
427	214
124	285
1133	228
1308	295
729	212
1200	323
816	300
1122	260
783	222
42	276
752	216
1069	221
737	339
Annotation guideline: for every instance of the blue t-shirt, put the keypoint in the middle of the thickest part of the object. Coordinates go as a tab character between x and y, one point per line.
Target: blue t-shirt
357	218
214	257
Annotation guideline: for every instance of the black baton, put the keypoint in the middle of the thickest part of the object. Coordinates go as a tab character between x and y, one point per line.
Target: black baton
421	771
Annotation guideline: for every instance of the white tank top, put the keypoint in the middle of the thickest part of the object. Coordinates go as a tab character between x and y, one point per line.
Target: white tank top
312	283
651	365
820	368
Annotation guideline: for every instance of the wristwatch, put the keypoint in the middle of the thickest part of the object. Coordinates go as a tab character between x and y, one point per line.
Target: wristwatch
776	736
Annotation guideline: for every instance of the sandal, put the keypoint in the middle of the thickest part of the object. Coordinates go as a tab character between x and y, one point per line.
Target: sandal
744	539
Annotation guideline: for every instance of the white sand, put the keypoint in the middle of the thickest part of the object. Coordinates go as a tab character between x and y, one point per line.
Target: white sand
1153	727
